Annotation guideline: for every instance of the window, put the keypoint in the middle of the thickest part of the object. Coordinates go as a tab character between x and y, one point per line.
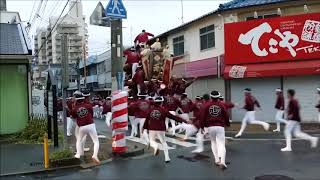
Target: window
73	78
178	45
262	16
207	39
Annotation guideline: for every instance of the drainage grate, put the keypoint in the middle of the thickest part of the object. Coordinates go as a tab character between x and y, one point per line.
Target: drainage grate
273	177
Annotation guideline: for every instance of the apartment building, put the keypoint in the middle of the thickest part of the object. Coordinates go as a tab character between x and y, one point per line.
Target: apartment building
74	26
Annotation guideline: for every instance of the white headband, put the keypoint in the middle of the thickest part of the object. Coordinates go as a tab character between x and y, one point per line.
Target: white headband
159	100
215	96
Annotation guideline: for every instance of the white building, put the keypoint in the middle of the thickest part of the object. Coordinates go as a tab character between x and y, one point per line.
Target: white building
73	24
198	47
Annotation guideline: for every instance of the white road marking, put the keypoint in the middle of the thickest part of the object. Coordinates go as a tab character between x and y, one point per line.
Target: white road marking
256	139
180	143
102	136
138	140
189	138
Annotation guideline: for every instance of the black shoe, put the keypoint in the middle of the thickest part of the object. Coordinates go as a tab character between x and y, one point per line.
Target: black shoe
168	161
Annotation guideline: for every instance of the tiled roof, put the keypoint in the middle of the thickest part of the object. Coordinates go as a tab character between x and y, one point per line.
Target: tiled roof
13	40
236	4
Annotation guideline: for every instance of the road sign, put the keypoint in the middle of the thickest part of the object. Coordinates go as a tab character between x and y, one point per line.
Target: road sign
98	16
116	9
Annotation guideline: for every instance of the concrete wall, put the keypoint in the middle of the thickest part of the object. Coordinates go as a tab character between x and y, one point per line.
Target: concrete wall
192	39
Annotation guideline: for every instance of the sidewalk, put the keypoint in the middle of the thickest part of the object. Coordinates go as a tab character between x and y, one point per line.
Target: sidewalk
28	158
19	158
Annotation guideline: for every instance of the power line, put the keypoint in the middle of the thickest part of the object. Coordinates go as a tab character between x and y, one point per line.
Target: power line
54	27
34	4
41	14
54	8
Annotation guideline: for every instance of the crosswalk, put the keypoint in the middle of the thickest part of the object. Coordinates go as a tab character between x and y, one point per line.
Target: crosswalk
172	141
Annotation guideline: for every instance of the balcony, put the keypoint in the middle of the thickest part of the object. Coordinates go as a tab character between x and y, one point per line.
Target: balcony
68	31
75	37
72	50
90	79
65	25
75	44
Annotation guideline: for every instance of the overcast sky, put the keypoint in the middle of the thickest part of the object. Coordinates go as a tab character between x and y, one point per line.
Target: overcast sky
156	16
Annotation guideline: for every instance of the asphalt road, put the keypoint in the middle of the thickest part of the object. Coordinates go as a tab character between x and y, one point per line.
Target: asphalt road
248	159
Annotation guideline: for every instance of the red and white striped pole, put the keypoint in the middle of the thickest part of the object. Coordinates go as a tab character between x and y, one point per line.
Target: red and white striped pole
119	121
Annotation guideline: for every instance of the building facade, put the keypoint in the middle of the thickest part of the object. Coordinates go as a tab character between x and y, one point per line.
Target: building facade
15	77
269	64
98	73
199	47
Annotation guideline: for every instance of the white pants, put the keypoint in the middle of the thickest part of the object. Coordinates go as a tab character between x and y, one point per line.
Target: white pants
60	115
134	68
100	112
293	127
189	128
153	135
95	111
184	116
173	122
140	121
69	126
134	128
91	130
83	140
250	118
108	118
279	118
217	137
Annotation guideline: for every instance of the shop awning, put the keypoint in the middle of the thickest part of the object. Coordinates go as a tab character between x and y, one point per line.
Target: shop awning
199	68
272	69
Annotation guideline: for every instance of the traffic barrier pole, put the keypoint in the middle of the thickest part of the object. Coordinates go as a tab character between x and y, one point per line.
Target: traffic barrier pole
46	151
119	121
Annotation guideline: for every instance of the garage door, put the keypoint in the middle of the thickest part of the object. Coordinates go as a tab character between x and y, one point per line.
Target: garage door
206	85
263	89
306	94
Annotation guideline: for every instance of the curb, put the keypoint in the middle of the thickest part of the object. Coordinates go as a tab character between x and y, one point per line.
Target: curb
138	152
40	171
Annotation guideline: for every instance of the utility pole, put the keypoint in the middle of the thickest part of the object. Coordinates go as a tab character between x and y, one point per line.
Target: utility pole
84	65
116	53
78	73
65	83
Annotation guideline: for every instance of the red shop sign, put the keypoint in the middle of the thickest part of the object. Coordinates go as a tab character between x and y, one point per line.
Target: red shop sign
275	39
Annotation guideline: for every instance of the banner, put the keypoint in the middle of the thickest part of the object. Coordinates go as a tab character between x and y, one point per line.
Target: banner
288	38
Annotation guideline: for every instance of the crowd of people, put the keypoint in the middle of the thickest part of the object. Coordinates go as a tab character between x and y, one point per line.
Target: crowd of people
157	105
151	116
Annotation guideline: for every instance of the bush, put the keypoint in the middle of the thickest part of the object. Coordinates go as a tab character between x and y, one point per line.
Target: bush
33	133
61	154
